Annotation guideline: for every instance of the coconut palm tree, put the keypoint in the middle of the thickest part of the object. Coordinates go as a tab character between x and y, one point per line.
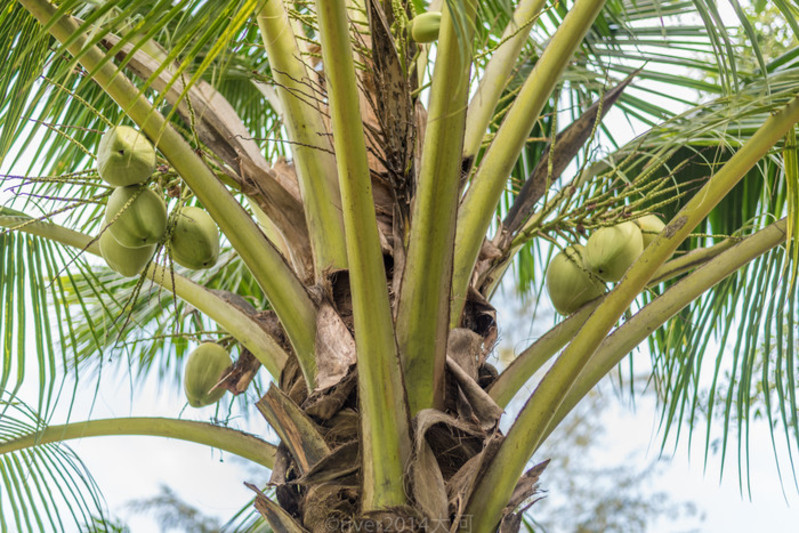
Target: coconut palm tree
375	170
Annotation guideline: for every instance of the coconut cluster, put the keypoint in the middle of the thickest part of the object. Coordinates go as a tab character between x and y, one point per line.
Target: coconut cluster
578	274
136	216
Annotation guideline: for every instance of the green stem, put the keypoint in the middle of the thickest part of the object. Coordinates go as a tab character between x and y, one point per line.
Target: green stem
423	313
527	432
635	330
314	163
285	292
528	362
230	440
495	76
384	420
691	260
237	323
18	221
513	378
490	179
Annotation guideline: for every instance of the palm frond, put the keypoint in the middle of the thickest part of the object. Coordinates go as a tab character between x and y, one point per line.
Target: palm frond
31	308
669	163
43	487
142	327
753	373
104	525
248	520
665	164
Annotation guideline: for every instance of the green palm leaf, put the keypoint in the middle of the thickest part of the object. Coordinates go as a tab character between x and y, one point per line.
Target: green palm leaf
46	487
48	87
30	304
132	326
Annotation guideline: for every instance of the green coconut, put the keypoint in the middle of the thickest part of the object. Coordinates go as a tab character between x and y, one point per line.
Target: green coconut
650	226
137	216
610	251
204	369
424	27
569	283
128	262
125	157
195	240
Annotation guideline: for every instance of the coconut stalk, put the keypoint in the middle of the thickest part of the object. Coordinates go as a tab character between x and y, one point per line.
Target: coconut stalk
482	197
310	146
232	319
277	517
230	440
384	420
495	76
423	312
281	286
528	431
691	260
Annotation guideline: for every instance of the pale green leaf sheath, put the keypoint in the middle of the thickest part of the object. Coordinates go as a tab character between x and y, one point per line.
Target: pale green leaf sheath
302	116
242	444
422	319
488	182
384	420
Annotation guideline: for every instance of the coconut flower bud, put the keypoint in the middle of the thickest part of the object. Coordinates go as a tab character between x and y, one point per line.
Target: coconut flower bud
424	27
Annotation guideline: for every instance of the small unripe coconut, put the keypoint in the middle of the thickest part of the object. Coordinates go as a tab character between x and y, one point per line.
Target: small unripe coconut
610	251
142	216
650	226
424	27
125	157
569	283
204	369
128	262
195	240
